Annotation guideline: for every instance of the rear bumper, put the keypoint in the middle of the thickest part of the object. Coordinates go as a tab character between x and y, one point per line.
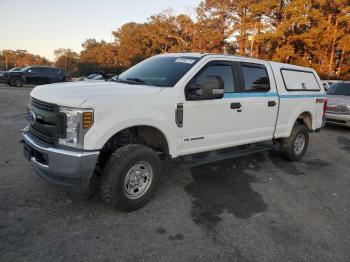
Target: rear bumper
338	119
69	169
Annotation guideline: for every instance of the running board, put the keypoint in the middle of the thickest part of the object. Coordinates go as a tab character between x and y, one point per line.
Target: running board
223	154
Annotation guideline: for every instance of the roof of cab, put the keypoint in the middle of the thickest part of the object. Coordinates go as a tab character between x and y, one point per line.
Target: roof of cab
200	55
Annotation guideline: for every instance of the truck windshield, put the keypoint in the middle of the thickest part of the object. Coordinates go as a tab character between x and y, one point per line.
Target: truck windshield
164	71
342	89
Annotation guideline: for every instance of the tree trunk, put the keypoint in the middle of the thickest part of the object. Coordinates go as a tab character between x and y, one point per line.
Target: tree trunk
341	61
342	54
326	50
253	39
241	42
331	59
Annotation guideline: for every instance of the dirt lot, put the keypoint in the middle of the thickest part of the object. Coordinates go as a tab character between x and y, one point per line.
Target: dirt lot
258	208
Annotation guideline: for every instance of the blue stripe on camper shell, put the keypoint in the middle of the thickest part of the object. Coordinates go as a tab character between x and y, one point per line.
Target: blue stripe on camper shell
271	94
303	96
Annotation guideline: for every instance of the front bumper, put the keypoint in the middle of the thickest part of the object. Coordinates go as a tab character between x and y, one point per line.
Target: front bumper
337	119
69	169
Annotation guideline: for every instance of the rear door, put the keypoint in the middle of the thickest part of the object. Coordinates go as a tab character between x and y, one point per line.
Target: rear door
259	100
55	75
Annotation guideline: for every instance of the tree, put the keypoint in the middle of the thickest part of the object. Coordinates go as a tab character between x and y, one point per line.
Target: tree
99	56
310	33
20	58
68	60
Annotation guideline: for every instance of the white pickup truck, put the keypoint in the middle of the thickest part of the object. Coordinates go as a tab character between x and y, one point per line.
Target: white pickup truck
189	107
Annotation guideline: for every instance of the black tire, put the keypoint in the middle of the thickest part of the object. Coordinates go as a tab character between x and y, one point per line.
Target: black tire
17	82
113	186
289	146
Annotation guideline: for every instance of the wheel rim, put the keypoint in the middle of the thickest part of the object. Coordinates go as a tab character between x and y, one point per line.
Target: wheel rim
138	180
299	143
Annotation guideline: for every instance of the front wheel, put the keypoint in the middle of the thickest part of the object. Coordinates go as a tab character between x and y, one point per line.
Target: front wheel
17	82
295	146
130	177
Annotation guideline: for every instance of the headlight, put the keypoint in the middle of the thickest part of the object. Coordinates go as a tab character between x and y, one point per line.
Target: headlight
78	122
344	108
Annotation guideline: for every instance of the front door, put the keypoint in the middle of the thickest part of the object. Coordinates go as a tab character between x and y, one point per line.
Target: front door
215	123
33	75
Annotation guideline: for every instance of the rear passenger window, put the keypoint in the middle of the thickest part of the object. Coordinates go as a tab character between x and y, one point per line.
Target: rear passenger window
53	70
222	69
255	77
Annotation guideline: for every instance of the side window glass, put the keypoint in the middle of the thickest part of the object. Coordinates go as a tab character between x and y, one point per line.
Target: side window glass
37	70
54	70
33	70
45	70
255	77
51	70
222	70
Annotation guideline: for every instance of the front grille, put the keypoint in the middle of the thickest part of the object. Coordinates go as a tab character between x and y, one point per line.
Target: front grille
44	105
47	125
41	136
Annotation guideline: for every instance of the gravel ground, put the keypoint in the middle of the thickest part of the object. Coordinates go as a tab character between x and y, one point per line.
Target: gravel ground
257	208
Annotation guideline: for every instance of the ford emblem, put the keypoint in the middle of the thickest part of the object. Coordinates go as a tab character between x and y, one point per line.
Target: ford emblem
31	117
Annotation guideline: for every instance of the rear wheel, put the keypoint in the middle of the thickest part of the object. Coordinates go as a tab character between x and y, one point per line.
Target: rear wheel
17	82
130	177
295	146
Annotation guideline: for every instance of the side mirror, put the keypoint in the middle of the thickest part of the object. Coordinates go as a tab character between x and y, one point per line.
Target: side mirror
212	87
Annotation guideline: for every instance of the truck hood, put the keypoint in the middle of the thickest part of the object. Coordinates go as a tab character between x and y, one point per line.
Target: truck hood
338	100
74	94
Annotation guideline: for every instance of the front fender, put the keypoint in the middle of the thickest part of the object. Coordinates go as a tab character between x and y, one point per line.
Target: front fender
108	124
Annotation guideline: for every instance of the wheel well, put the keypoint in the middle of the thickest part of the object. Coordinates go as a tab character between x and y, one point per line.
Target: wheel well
305	119
145	135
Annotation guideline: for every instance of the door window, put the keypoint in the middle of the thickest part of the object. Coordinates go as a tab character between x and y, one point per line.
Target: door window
219	68
36	70
255	77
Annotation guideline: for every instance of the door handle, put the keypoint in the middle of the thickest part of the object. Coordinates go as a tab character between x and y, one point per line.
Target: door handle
271	103
236	105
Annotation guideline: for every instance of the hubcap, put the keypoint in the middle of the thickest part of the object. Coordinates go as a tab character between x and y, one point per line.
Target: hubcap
138	180
299	143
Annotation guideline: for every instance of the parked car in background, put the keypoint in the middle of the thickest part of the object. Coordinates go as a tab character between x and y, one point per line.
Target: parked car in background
91	76
101	77
36	75
331	82
326	85
11	70
338	109
97	77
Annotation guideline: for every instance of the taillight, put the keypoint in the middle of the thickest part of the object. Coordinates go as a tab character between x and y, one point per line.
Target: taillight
325	103
68	79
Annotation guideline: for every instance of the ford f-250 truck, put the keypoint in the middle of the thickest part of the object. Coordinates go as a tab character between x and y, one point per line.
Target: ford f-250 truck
189	107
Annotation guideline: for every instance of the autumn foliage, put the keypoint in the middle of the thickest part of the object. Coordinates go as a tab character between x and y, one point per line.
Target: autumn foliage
309	33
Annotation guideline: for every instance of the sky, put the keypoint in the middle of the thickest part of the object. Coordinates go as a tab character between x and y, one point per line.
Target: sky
41	26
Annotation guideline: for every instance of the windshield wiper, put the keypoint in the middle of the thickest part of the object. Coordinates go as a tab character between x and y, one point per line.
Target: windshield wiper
139	80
